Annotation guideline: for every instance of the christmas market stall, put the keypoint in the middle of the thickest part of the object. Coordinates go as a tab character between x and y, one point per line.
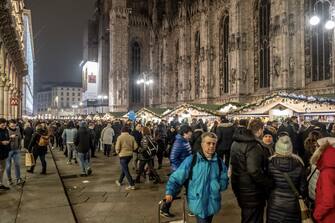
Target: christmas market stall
190	111
152	114
282	105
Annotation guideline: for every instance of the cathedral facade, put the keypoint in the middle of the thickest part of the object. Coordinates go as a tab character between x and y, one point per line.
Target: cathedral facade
212	51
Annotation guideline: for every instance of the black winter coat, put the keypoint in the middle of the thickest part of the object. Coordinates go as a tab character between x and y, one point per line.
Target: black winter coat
83	140
195	141
4	149
224	132
33	145
283	205
28	134
249	161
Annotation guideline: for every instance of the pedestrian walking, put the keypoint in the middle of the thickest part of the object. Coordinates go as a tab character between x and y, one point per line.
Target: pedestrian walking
107	136
14	153
224	132
4	150
249	163
84	141
206	177
324	159
181	149
39	147
125	146
69	135
282	204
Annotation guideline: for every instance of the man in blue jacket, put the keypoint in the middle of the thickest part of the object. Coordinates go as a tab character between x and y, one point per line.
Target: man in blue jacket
206	176
180	150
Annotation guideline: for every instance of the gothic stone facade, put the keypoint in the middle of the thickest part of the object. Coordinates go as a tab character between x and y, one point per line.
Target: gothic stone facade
215	51
12	60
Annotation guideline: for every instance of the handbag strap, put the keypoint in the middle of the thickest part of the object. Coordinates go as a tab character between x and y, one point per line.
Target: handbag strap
310	176
153	145
291	184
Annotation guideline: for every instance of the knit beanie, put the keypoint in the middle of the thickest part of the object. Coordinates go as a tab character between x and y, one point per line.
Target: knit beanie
284	146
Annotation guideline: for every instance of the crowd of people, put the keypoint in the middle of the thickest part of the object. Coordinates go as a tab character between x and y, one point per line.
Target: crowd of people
270	166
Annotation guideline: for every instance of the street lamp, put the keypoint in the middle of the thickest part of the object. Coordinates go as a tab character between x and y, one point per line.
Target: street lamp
315	19
145	81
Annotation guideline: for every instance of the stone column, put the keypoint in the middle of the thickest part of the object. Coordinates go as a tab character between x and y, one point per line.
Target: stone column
2	85
6	101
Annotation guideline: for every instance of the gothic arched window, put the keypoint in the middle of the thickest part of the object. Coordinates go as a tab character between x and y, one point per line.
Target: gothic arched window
135	90
264	41
320	43
197	64
224	55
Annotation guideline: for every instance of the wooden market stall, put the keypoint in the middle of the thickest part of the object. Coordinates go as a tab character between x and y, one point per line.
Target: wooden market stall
190	111
282	105
152	114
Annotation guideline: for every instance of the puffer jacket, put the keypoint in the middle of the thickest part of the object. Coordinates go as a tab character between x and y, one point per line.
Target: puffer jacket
203	194
324	211
69	135
283	204
224	132
180	150
249	161
107	135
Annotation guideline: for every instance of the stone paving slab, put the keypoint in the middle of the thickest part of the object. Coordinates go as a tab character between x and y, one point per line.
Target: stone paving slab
41	199
98	199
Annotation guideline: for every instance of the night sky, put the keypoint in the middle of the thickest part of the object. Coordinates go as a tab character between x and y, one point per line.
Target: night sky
58	27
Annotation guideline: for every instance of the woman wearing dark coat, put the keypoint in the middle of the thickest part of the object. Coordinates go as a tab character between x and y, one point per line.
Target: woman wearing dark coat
195	141
28	134
283	205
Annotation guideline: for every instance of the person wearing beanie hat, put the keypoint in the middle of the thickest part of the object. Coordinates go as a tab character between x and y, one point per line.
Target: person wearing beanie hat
284	146
282	202
268	140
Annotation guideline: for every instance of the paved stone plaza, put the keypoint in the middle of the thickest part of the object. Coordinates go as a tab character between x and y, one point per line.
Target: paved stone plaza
94	199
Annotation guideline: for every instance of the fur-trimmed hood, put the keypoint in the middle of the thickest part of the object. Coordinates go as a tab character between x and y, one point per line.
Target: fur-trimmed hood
324	143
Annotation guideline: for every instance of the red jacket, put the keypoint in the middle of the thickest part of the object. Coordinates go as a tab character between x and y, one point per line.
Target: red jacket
325	188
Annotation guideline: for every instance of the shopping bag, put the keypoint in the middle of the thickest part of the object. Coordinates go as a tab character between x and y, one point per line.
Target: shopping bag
30	161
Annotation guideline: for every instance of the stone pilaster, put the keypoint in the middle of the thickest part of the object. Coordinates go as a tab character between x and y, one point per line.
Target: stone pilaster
118	81
2	85
6	101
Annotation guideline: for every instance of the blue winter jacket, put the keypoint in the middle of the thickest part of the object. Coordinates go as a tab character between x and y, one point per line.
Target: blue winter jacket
180	150
203	195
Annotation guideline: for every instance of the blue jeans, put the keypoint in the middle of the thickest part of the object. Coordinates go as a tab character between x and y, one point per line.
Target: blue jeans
124	161
204	220
16	157
84	162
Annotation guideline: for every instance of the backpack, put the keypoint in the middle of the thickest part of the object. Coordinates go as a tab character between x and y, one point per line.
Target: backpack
151	151
43	141
194	161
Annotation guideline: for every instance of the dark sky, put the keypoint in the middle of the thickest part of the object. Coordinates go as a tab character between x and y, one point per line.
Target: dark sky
58	27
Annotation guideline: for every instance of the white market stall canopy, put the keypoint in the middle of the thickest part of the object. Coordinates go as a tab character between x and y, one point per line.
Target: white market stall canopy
283	104
151	113
191	111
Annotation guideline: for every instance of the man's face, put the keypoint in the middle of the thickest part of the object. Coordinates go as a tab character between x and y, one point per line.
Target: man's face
3	125
12	125
188	135
208	145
